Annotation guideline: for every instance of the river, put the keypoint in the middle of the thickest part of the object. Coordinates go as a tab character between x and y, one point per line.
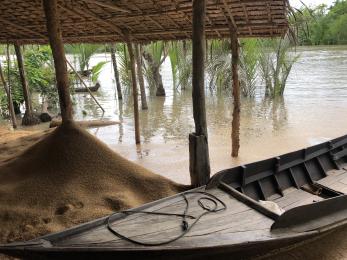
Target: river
313	110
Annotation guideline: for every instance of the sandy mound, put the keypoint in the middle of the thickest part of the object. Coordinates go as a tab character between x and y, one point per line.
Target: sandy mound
14	142
67	178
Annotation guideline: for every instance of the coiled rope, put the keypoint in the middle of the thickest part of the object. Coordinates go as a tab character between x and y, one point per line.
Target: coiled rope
185	226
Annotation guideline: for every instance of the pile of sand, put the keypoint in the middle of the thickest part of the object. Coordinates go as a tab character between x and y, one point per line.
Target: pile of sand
14	142
69	177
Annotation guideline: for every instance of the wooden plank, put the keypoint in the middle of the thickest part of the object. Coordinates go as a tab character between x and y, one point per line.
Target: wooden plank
153	225
294	198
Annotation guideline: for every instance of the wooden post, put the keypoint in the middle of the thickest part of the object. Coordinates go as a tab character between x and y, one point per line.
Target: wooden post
135	94
85	85
56	43
9	98
116	73
235	132
140	76
198	143
29	118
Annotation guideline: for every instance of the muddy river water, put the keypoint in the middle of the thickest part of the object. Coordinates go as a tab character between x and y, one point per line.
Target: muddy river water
313	110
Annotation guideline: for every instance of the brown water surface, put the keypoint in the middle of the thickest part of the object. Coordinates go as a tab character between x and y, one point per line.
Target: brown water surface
313	110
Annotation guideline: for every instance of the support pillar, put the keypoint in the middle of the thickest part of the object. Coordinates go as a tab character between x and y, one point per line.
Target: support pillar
29	118
56	43
235	132
116	73
199	162
135	94
140	77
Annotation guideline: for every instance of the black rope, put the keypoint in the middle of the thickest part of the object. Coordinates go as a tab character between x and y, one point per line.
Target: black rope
185	226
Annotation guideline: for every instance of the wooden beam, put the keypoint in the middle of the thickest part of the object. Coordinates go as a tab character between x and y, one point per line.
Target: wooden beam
199	162
9	98
135	94
56	43
81	13
109	4
231	17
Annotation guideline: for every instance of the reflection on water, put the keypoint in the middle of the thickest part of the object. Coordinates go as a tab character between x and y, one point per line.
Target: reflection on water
312	111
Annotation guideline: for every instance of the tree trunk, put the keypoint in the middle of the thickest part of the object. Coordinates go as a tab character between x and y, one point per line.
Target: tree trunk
135	94
116	73
29	118
9	98
140	76
235	133
56	43
199	163
155	68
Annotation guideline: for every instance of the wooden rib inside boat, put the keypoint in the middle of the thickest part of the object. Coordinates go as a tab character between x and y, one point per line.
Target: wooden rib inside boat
252	209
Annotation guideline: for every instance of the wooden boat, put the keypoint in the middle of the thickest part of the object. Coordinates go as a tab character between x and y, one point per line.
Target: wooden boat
238	214
83	73
92	89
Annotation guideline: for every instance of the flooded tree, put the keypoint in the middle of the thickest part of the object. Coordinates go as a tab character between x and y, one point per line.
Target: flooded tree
276	62
155	55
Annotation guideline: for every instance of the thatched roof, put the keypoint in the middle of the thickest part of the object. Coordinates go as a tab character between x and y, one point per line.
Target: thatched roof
144	20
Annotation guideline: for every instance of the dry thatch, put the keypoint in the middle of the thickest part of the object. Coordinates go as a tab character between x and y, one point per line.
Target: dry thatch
143	20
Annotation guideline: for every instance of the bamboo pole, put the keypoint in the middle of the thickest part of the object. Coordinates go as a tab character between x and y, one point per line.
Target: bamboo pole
9	98
29	118
198	142
116	73
56	43
140	76
84	84
135	94
235	132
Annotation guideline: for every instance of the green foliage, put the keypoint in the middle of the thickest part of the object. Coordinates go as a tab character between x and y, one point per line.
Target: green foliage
219	65
96	70
322	25
123	64
276	63
3	102
249	59
180	54
83	53
40	71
